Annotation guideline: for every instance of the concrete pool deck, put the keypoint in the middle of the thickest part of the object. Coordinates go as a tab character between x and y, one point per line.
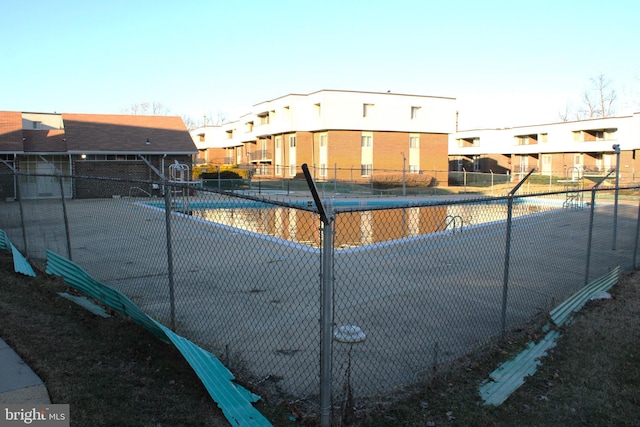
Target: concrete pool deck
255	301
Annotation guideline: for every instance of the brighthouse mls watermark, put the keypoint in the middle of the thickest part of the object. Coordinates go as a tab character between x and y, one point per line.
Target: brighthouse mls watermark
34	415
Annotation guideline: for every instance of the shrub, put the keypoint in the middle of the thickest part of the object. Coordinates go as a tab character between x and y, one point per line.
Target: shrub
393	180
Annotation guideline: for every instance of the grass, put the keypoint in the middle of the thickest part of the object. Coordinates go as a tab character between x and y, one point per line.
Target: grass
114	373
111	372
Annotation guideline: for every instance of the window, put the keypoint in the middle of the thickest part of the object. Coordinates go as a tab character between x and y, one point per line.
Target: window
287	112
414	142
468	142
292	170
263	118
367	110
593	135
229	134
317	109
292	141
248	127
415	112
414	169
367	141
365	170
201	137
527	139
543	137
278	142
323	170
323	140
37	125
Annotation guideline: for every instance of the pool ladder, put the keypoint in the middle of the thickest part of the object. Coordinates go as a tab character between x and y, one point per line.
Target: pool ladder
451	220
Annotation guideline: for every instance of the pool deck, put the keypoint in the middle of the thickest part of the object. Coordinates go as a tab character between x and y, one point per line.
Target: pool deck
420	301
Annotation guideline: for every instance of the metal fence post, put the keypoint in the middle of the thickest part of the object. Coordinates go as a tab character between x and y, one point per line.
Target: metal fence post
589	237
635	240
327	321
616	149
167	212
64	215
326	300
507	253
22	223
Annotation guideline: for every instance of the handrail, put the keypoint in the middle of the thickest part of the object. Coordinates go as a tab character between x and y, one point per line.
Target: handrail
138	188
452	219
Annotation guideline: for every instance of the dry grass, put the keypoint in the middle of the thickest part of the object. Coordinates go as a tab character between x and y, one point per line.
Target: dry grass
111	372
114	373
591	378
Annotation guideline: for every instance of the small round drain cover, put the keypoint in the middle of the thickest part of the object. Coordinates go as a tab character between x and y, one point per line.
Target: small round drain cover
349	333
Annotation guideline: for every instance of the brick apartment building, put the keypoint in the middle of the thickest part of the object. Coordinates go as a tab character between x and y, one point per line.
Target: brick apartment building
566	149
344	135
87	145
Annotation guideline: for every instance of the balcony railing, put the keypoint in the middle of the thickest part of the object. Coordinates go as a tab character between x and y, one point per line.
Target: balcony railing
260	156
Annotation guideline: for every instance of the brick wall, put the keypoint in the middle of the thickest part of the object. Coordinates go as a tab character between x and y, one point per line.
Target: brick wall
119	171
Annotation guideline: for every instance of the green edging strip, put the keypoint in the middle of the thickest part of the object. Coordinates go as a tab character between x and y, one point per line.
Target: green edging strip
561	313
85	303
232	399
20	263
511	375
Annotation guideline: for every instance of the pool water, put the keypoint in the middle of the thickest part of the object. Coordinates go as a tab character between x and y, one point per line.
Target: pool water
356	228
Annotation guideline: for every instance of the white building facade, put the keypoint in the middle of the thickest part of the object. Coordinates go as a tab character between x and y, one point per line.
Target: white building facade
558	149
333	130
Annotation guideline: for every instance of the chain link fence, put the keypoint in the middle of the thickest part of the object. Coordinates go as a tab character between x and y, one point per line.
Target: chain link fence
381	292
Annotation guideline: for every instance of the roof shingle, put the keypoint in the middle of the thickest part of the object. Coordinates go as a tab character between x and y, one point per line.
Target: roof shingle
127	133
10	131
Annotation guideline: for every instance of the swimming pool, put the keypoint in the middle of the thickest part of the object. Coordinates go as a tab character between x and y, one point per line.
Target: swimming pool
387	220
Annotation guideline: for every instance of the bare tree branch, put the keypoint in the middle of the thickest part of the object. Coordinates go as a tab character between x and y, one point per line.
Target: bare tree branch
596	102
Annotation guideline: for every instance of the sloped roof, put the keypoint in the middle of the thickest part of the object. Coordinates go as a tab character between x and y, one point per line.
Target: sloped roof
91	133
10	131
44	141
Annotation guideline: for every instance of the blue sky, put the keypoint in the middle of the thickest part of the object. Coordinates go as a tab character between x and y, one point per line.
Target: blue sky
507	62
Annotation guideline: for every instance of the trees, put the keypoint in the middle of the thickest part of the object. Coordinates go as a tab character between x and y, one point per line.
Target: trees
597	101
156	108
145	108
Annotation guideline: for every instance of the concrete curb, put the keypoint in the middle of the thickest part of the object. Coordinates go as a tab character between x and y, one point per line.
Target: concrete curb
18	382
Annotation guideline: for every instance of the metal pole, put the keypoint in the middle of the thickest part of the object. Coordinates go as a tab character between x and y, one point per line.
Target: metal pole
167	214
507	254
66	218
589	238
464	176
327	321
404	175
326	300
635	245
616	148
491	181
22	223
593	207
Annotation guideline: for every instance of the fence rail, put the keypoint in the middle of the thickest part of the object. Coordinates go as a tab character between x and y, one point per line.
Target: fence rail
246	275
